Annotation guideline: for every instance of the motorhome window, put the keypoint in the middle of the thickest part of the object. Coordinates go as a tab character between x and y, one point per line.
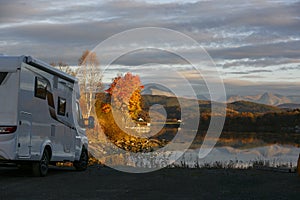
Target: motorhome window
61	106
40	90
79	115
2	76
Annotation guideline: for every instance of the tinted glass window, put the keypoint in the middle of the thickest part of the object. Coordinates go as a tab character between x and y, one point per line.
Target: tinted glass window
79	115
40	88
2	76
61	106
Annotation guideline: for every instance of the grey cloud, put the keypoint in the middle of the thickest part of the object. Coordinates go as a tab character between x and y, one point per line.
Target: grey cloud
261	63
149	56
16	11
250	72
289	68
259	71
277	50
267	33
253	77
237	73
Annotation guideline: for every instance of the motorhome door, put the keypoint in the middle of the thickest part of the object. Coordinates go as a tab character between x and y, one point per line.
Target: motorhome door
24	135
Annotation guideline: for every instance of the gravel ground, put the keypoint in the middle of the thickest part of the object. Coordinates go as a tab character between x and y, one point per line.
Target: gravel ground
106	183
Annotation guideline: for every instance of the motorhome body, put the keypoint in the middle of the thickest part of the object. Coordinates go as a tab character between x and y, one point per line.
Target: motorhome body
40	117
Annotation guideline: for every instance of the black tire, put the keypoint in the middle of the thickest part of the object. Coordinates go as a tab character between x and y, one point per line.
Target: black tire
40	168
82	163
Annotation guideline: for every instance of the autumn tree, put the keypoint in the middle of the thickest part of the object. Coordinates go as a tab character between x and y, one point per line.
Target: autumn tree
90	80
125	92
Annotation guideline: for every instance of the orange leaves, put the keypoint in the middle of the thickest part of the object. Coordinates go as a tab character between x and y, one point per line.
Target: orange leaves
105	108
134	106
126	93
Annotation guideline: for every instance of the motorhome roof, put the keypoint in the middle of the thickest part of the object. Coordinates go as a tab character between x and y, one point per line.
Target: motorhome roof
46	67
12	63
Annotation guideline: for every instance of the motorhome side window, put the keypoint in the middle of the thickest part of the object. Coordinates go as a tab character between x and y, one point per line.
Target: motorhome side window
61	106
79	115
40	89
2	76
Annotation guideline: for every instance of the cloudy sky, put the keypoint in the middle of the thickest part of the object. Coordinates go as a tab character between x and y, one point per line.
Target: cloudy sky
255	44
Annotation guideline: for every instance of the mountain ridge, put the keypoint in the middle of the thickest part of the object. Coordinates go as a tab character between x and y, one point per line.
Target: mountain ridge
266	98
205	106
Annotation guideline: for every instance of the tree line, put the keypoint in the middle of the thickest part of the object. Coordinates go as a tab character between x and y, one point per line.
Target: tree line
285	121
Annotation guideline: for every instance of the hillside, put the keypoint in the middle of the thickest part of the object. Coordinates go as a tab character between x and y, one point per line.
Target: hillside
247	106
171	103
289	106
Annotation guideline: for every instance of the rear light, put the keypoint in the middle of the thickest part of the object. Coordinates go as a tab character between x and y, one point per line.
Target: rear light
7	129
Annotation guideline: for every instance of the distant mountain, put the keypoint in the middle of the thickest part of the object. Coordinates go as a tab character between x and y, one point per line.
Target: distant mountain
273	99
294	98
289	106
170	104
159	90
202	97
266	98
247	106
155	89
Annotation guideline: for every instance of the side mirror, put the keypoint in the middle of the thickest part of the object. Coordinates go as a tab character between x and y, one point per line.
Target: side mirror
91	122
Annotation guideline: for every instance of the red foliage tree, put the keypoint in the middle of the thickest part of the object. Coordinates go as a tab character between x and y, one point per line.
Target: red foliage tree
125	93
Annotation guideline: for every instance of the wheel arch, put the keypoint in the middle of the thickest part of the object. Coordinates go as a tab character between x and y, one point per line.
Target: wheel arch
48	147
49	150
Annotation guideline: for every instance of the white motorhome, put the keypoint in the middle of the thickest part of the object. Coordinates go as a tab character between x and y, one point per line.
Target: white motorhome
40	117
